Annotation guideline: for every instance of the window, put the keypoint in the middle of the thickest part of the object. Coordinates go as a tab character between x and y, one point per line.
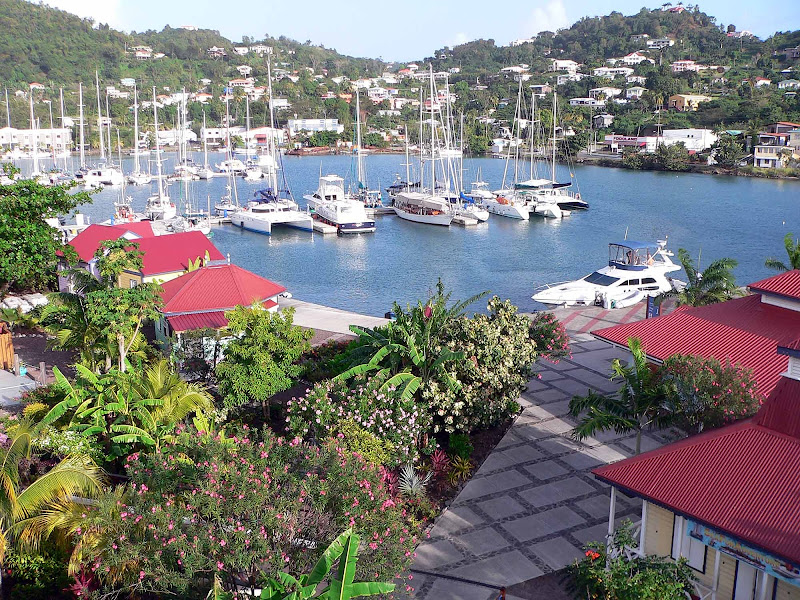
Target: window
133	283
683	545
630	282
648	283
748	582
600	279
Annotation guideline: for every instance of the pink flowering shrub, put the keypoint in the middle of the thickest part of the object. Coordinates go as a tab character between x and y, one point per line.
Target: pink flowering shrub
550	336
331	406
243	509
704	393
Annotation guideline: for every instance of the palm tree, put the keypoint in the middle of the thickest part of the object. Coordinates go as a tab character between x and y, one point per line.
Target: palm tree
73	476
716	284
637	406
792	250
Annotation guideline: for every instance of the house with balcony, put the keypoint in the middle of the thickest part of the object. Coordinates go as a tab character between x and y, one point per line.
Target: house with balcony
629	60
570	66
789	84
541	90
660	43
591	102
604	92
612	72
216	52
562	79
635	92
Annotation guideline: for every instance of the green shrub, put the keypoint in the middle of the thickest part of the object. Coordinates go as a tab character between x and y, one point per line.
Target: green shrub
398	422
460	445
60	444
41	576
650	578
360	441
49	395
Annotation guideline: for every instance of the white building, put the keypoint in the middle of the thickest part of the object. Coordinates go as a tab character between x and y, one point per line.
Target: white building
521	42
570	66
244	70
378	94
630	60
241	50
593	102
789	84
602	121
637	79
127	82
682	66
261	49
635	92
660	43
605	92
612	72
171	137
314	126
562	79
58	138
695	140
280	104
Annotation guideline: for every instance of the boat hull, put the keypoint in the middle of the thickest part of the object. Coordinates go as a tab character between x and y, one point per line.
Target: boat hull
443	219
508	210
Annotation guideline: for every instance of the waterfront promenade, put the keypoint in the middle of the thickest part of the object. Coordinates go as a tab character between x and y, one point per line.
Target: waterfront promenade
533	503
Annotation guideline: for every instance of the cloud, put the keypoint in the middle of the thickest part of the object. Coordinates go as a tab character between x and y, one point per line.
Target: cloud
102	11
549	17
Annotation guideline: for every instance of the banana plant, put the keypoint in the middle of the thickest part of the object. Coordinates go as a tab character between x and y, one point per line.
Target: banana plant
341	587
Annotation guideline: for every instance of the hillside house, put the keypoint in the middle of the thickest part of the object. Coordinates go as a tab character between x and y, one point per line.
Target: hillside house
687	102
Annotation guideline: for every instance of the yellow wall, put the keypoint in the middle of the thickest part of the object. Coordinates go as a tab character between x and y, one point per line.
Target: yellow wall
164	277
658	540
125	279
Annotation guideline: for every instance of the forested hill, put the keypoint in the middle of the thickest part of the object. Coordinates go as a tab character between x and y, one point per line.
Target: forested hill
53	47
594	39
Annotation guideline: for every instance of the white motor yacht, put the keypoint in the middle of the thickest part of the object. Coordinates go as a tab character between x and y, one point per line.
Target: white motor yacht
231	165
423	208
140	178
252	173
635	270
268	210
332	206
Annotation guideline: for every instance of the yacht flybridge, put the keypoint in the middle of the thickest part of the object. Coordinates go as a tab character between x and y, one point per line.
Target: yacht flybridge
332	206
635	270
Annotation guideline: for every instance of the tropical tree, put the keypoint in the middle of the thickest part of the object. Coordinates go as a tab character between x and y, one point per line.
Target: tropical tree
792	251
410	351
22	501
262	359
638	405
716	283
28	244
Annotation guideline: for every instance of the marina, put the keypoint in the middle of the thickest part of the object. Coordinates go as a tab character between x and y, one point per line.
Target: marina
402	260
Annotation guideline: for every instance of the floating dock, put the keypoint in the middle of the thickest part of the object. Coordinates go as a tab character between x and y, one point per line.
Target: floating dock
324	228
464	221
379	210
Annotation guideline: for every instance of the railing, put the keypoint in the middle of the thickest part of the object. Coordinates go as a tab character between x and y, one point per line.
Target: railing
702	592
628	552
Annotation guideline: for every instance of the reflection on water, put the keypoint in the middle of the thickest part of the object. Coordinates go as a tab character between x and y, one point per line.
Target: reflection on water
745	218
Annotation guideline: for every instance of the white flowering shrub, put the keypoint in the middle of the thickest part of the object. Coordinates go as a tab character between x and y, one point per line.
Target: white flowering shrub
332	405
60	444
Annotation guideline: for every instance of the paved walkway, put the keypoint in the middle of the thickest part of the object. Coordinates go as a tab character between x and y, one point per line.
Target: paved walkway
533	504
334	323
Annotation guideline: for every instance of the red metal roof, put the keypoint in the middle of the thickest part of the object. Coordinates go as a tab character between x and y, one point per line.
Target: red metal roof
88	241
217	287
742	479
786	284
744	331
171	253
208	320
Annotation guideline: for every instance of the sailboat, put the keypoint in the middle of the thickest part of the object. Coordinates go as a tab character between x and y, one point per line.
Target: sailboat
230	164
370	198
159	207
252	171
506	202
138	177
465	205
205	171
547	193
272	205
427	206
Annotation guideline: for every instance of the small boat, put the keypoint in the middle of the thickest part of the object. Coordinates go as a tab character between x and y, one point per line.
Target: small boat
231	165
423	208
505	203
269	209
635	270
332	206
253	174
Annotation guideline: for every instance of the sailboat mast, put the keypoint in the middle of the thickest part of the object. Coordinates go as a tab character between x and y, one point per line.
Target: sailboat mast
273	146
433	138
34	135
80	119
61	106
108	116
555	105
205	142
158	148
359	155
52	135
531	130
136	168
408	164
461	151
99	117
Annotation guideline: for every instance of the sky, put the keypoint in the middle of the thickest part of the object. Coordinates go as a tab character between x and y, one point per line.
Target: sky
407	30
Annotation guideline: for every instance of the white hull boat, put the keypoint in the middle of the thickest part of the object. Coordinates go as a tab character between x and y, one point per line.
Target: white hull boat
140	178
510	207
423	208
635	270
332	206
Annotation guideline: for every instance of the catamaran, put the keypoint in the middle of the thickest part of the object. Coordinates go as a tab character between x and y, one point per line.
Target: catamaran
138	177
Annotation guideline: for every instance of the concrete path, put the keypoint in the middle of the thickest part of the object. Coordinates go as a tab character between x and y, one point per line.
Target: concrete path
533	504
324	318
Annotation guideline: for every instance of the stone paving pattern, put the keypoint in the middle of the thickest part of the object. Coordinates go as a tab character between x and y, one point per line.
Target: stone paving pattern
533	503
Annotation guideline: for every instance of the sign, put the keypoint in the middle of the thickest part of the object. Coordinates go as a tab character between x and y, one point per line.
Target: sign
759	559
653	308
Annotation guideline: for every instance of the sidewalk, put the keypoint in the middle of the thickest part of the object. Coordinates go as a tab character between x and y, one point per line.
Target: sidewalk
330	324
533	503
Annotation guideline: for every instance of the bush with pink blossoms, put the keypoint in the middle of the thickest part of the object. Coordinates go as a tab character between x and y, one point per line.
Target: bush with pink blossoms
550	336
330	405
243	509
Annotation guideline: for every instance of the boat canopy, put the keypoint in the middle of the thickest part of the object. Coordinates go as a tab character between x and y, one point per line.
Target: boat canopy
530	184
632	255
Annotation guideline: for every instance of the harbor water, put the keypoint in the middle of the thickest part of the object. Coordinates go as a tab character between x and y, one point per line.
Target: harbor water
711	216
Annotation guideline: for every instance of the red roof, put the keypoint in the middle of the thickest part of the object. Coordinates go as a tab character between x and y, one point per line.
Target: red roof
785	284
742	480
218	287
171	253
744	331
88	241
208	320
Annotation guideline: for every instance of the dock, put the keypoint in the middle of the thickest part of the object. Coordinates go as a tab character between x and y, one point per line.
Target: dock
464	221
324	228
379	211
